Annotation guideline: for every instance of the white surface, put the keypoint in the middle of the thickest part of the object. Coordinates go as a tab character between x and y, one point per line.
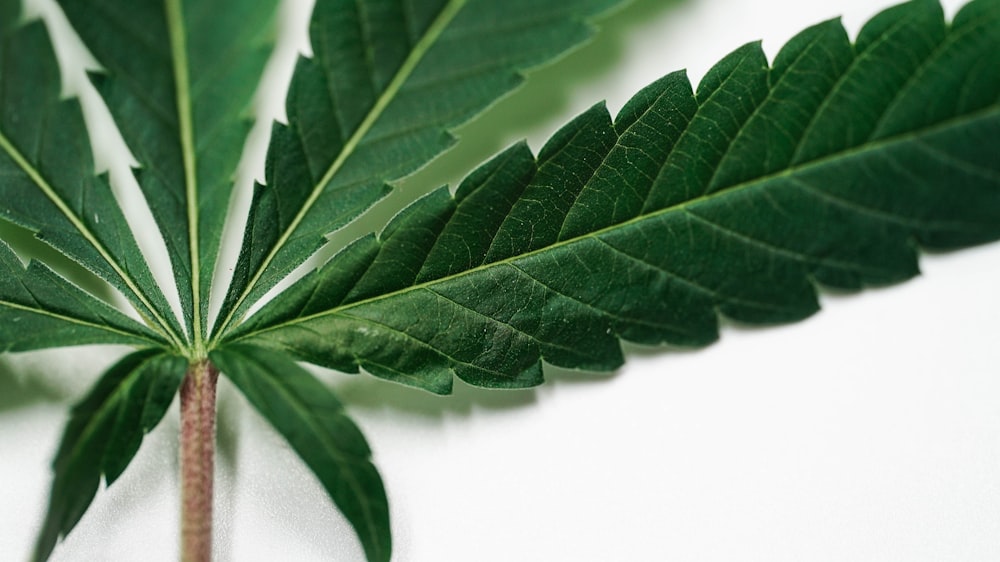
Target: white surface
869	432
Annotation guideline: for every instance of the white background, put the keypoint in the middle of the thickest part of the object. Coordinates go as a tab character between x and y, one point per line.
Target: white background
868	432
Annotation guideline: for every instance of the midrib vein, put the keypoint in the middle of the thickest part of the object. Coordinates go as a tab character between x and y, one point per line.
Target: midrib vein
992	111
432	34
157	322
75	320
121	390
182	84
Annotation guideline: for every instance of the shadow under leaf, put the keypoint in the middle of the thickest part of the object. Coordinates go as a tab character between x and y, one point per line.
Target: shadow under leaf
367	392
25	245
20	387
546	92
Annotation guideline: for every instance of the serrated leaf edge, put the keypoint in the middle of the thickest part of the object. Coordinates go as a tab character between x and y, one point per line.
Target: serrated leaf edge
150	315
680	207
421	48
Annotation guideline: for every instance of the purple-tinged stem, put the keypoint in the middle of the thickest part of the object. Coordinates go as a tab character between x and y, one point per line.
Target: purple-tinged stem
197	461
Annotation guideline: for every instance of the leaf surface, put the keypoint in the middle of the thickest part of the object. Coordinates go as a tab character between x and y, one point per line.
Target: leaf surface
104	433
830	167
179	78
389	79
40	309
313	421
47	178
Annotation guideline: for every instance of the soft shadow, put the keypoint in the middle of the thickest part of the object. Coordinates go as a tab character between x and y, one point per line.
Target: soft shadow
367	392
370	393
22	387
24	243
228	440
547	92
229	404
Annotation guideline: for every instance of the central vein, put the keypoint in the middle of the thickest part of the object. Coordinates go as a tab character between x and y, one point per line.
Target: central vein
760	183
182	84
145	309
405	70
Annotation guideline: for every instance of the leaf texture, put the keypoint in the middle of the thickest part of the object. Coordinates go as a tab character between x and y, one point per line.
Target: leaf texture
309	416
830	167
47	178
40	309
104	433
389	79
179	78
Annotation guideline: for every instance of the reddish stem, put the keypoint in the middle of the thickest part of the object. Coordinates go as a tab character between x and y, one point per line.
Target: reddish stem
197	461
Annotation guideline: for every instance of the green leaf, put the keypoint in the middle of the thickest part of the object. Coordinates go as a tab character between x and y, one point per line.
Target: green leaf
39	309
104	433
179	85
831	167
47	180
314	423
387	83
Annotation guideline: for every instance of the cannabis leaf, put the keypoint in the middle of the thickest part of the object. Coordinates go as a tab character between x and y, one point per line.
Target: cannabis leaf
829	167
105	432
179	90
387	82
39	309
313	421
47	180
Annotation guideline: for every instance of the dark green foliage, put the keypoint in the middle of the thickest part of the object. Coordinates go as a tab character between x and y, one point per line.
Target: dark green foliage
104	433
48	182
39	309
180	93
735	199
387	83
831	166
315	425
